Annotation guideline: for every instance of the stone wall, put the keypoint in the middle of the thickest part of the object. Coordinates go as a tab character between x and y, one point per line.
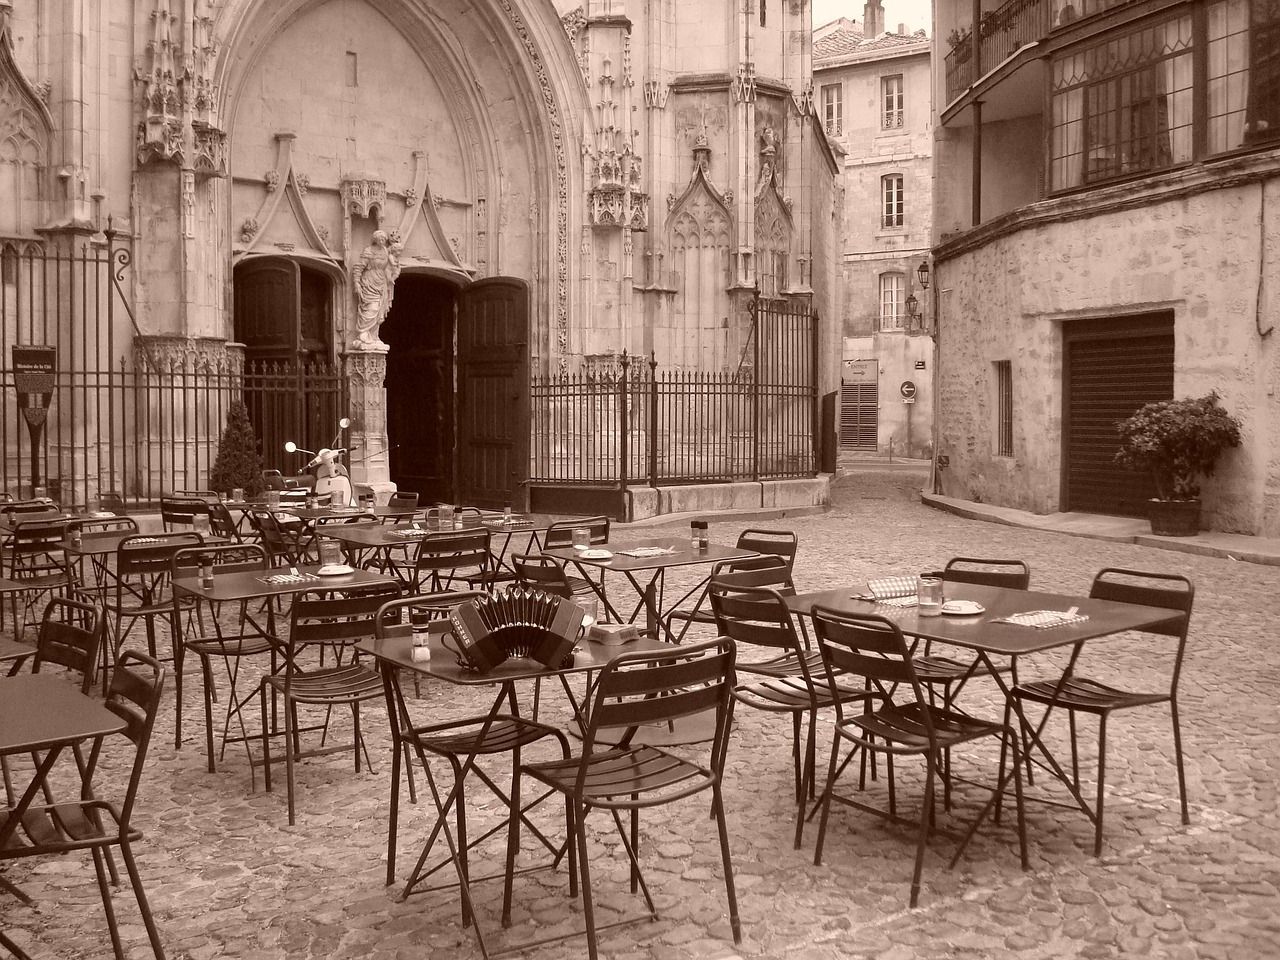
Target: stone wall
1204	244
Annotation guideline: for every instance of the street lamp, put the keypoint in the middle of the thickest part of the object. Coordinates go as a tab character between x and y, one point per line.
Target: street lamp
922	274
913	306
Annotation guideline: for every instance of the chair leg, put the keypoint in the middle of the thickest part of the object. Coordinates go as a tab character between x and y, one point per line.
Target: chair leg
735	923
588	909
826	798
926	811
107	908
290	751
1177	752
266	738
206	673
143	907
14	950
1102	780
513	836
393	816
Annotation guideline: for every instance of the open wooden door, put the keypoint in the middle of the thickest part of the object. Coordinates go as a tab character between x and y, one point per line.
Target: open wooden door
493	393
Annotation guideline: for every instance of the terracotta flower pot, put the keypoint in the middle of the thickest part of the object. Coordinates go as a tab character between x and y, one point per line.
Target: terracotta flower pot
1174	518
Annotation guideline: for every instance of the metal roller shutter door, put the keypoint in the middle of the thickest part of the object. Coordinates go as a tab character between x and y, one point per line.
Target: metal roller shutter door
1112	368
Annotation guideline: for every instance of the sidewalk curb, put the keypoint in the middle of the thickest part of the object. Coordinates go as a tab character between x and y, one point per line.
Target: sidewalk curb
1224	546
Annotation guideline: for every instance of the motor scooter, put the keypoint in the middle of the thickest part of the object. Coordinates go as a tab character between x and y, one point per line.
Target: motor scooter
328	470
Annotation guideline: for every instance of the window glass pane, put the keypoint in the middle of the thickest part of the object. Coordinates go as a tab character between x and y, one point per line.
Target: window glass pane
831	109
892	300
893	200
891	102
1243	67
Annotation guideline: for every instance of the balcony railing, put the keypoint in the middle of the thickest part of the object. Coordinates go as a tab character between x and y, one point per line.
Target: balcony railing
1000	33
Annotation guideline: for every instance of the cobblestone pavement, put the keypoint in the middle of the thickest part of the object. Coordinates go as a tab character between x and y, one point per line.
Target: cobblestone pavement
228	877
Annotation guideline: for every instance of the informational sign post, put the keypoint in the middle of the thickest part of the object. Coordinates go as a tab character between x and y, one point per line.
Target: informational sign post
33	378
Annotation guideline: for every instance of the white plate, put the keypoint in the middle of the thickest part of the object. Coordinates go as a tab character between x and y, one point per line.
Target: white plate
596	555
963	608
335	570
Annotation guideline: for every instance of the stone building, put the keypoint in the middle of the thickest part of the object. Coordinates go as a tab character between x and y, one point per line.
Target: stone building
439	199
874	95
1106	234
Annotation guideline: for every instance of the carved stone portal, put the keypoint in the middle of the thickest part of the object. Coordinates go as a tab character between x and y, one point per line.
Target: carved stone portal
366	383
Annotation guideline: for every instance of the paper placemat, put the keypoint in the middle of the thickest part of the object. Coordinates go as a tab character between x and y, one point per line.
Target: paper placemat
1041	619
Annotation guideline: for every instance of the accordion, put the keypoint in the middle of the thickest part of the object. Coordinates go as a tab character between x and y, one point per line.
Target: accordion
517	622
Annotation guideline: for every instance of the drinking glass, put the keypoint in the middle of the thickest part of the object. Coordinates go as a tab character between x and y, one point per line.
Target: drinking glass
335	498
330	552
581	538
444	513
929	596
238	494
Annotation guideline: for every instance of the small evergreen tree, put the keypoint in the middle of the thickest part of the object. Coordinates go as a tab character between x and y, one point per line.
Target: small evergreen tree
238	463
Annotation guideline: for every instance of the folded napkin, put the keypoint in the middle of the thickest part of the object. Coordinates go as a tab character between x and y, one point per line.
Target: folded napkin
897	601
1040	619
289	578
410	533
886	587
513	522
648	551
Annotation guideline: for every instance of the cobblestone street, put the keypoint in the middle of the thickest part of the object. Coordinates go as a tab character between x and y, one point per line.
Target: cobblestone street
227	876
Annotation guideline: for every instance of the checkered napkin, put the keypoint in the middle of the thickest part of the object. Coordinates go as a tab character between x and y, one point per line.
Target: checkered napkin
1042	619
513	522
289	578
648	551
887	588
146	540
409	532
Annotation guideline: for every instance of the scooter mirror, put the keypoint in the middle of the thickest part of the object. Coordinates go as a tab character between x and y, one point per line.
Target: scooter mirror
344	423
290	447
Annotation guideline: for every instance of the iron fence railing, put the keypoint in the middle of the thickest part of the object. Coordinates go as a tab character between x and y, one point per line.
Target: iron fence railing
635	424
128	420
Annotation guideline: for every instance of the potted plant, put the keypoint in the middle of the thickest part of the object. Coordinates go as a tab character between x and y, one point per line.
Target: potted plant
1177	442
238	463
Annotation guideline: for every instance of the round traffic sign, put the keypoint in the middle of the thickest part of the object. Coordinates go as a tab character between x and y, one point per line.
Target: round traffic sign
908	390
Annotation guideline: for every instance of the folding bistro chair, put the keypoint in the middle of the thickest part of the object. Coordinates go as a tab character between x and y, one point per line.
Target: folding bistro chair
98	825
1078	694
633	690
896	719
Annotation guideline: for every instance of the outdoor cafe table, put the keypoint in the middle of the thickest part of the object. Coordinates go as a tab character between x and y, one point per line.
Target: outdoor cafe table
989	638
42	712
12	589
393	654
376	542
676	552
268	585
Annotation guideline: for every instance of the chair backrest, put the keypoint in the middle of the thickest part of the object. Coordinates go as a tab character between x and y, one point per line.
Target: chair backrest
34	549
225	558
1169	590
780	543
268	529
70	635
338	619
150	555
21	507
542	573
869	646
454	550
108	525
403	498
273	479
636	689
134	696
766	570
181	512
208	496
1012	574
753	615
221	523
560	533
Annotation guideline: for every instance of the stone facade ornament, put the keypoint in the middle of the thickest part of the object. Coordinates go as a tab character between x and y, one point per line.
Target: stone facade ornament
656	93
248	229
303	181
209	151
272	179
744	84
362	194
410	197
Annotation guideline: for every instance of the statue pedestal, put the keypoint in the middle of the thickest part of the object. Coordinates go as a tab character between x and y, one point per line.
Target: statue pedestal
366	372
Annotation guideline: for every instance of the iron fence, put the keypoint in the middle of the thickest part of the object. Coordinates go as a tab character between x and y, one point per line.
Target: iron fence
129	420
637	424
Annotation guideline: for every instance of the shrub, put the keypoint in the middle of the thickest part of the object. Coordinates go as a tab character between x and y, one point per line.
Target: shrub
1177	442
238	463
